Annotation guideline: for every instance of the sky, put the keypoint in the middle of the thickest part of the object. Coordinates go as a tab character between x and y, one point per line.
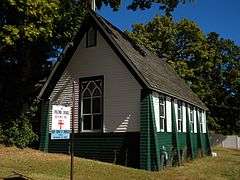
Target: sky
221	16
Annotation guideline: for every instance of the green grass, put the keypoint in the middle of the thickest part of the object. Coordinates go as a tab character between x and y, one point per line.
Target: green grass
39	165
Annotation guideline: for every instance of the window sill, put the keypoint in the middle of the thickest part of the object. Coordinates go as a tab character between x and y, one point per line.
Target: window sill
90	131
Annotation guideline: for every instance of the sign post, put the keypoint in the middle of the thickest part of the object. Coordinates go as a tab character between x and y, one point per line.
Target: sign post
72	139
61	116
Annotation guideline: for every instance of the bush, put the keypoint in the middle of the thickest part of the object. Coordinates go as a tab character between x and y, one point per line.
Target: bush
19	131
20	134
1	135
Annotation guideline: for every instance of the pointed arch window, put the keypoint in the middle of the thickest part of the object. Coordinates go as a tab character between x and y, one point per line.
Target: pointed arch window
91	105
91	37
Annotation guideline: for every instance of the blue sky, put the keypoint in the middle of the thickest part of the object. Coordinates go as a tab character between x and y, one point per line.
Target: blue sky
221	16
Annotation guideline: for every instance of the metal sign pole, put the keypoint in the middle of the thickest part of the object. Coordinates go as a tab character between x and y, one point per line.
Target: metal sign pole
72	137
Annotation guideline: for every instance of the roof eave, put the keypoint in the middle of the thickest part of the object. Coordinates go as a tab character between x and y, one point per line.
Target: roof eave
180	98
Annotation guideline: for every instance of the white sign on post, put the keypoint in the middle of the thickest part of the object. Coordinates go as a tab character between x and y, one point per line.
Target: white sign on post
60	122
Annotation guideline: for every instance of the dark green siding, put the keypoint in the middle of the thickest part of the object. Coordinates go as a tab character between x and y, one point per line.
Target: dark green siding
165	139
137	149
182	144
196	148
119	148
155	150
194	138
145	159
206	144
44	126
175	138
189	139
149	148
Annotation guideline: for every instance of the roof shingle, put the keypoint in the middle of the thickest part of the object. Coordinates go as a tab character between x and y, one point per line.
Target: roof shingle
156	72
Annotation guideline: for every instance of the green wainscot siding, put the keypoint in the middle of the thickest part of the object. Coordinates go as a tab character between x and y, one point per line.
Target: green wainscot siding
205	144
194	138
182	141
149	148
165	141
118	148
44	126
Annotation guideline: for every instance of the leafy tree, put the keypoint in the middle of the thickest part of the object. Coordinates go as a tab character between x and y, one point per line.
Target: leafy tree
114	4
26	27
167	5
209	64
31	31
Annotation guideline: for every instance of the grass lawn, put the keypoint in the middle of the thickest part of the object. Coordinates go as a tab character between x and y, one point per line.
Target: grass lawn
39	165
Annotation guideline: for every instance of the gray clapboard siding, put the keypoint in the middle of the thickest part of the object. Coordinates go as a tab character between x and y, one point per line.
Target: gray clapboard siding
62	95
121	89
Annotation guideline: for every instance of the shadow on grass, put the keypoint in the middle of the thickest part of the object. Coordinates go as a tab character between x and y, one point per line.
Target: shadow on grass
16	176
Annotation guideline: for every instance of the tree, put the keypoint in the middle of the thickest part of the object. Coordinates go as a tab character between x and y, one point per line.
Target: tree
167	5
209	64
26	27
31	32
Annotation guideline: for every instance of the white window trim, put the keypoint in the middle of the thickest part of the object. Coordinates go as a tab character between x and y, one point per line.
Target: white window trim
195	120
181	116
163	118
184	117
204	121
156	110
101	113
200	116
168	115
191	120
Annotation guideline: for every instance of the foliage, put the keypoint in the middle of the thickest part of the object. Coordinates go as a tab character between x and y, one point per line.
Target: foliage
208	63
31	32
167	5
1	134
114	4
27	19
20	133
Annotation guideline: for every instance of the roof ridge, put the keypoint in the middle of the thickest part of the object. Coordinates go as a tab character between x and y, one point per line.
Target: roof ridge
151	65
140	48
151	71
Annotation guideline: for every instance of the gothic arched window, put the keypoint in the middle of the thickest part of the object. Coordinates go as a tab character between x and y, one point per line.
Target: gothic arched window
92	104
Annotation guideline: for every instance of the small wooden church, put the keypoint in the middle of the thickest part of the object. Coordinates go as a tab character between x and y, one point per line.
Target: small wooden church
130	107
